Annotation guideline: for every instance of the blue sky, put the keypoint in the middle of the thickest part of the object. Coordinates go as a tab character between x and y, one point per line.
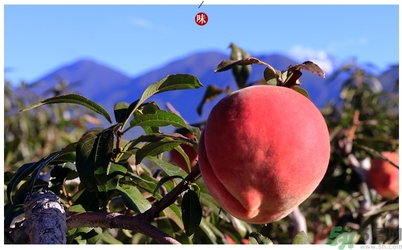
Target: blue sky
134	39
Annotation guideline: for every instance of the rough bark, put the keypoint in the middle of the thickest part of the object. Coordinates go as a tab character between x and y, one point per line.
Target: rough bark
45	219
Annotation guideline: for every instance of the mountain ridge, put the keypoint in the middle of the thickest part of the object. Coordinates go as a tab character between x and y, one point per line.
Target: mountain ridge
107	86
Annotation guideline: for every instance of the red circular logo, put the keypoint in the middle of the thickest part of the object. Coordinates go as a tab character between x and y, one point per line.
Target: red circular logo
201	18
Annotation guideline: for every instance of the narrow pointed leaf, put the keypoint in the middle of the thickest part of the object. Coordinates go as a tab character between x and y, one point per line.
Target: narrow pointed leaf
67	154
42	164
159	119
228	64
206	228
154	149
191	212
309	66
133	198
170	169
207	200
240	73
170	82
173	212
19	175
165	179
74	99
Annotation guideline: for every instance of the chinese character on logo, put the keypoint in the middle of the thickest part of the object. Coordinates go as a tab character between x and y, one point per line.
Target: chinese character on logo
201	18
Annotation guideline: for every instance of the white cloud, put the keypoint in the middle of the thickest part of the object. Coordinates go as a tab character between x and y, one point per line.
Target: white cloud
144	23
321	58
141	22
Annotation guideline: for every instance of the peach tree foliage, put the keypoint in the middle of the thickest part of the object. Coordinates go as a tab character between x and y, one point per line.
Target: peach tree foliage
155	199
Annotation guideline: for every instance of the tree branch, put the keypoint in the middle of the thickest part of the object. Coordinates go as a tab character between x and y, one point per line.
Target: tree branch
172	196
116	220
45	218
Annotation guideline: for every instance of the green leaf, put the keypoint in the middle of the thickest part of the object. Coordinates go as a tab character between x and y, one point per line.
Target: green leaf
173	212
300	238
85	200
67	154
205	227
210	94
159	119
94	151
241	73
170	82
141	139
120	111
75	99
210	202
257	238
301	91
154	149
21	174
271	74
41	165
170	169
133	198
165	179
191	212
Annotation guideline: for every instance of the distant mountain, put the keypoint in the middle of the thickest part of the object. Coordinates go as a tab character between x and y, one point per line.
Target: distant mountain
107	86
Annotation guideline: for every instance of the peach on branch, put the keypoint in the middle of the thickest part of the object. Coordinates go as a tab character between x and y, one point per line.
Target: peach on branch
383	176
263	151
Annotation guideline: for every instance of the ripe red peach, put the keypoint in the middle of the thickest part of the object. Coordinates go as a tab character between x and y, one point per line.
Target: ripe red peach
178	159
263	151
383	176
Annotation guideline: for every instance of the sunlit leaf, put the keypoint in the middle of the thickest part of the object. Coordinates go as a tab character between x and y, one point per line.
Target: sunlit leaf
170	169
173	212
170	82
165	179
207	200
133	198
74	99
154	149
159	119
